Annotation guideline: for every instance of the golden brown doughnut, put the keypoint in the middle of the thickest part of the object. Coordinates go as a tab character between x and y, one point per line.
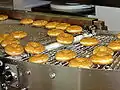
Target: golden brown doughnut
3	17
65	55
101	53
65	38
114	45
39	23
101	58
54	32
118	35
14	49
19	34
34	48
80	62
3	36
9	37
62	26
9	40
103	49
89	41
26	21
39	58
74	29
51	25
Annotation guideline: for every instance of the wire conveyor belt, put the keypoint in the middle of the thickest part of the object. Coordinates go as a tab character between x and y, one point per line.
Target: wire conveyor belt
40	35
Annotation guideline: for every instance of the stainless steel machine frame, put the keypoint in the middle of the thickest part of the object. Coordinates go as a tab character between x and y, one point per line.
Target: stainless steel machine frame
56	78
35	77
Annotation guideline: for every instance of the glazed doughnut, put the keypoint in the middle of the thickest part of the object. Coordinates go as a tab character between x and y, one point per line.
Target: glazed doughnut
3	36
39	23
9	40
54	32
34	48
39	58
3	17
101	58
65	38
81	63
103	49
74	29
114	45
51	25
19	34
26	21
9	37
62	26
14	49
89	41
118	35
65	55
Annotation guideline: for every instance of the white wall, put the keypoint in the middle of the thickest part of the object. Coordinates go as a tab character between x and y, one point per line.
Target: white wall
110	15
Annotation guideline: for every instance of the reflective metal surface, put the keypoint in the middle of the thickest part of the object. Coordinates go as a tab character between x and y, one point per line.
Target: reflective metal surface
66	78
21	4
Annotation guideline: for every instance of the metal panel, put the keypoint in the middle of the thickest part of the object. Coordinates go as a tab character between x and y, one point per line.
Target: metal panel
40	77
22	4
46	77
28	4
99	80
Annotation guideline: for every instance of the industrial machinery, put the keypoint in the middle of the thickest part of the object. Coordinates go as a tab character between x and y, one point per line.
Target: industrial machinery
16	73
21	4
